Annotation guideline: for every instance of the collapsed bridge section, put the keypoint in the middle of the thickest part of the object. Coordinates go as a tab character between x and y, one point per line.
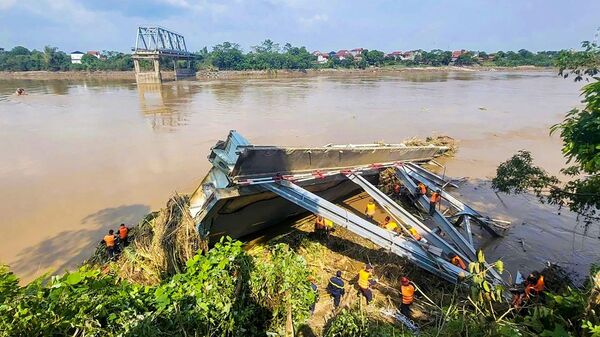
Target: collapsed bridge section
250	188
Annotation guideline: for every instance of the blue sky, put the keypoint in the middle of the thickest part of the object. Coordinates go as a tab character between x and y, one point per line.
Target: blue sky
319	25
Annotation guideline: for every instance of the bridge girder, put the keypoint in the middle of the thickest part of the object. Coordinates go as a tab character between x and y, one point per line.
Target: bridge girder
155	41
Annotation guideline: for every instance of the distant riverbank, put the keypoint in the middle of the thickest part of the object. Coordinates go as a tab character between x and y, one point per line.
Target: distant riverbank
241	74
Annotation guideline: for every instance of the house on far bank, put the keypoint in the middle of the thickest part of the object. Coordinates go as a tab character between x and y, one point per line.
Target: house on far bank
76	57
94	53
403	56
321	57
357	52
456	54
396	55
343	54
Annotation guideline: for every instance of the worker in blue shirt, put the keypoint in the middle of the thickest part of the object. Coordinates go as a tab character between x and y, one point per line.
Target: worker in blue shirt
335	288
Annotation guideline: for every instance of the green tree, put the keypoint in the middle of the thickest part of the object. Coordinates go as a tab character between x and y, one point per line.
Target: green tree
90	62
228	56
465	59
373	57
580	134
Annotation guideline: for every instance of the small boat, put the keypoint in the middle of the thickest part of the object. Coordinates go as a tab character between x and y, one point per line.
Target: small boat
231	201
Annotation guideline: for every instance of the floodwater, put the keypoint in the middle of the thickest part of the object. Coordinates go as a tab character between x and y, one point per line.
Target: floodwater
80	157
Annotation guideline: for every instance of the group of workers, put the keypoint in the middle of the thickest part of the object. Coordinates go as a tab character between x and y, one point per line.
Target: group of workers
365	281
115	243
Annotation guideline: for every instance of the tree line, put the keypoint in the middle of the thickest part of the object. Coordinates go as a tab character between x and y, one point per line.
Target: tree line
270	55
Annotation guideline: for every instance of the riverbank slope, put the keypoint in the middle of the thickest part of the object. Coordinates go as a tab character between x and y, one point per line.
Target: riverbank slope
249	74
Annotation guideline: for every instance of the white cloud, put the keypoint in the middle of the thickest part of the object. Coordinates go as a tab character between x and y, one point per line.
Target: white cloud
6	4
313	20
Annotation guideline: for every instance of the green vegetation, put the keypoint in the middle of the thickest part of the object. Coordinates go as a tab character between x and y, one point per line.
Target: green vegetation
270	56
223	293
230	292
580	134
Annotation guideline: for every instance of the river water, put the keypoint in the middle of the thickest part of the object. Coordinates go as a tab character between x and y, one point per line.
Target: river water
79	157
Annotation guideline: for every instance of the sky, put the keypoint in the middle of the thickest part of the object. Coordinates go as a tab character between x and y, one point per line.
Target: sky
324	25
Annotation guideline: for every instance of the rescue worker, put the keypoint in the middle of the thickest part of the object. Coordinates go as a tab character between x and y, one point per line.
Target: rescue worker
123	236
392	226
329	227
408	296
323	227
534	284
365	282
421	190
370	210
385	222
436	197
319	225
397	190
414	233
457	261
335	288
110	240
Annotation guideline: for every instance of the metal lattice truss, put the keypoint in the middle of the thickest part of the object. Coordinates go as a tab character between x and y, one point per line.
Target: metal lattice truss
158	41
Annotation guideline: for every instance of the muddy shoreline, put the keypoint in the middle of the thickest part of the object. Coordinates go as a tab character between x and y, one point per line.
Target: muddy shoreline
255	74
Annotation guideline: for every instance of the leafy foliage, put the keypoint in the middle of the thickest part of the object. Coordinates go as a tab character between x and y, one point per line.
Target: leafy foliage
219	294
482	291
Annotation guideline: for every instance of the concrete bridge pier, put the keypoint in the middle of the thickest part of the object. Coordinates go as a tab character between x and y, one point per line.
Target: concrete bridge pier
152	76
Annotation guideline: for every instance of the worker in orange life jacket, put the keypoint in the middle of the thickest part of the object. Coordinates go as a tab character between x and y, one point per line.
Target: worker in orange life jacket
457	261
123	236
421	189
408	296
110	242
323	227
436	197
534	285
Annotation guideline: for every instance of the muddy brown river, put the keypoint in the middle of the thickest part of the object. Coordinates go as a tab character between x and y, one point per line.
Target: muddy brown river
79	157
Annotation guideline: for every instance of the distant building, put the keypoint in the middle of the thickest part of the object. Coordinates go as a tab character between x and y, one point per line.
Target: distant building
410	55
404	56
357	52
456	54
343	54
76	57
94	53
321	57
396	55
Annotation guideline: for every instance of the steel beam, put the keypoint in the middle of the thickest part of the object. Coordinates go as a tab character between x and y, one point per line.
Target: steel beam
381	237
421	175
403	216
459	240
439	181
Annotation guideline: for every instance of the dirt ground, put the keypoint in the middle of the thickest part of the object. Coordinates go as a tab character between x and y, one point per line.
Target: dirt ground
349	253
